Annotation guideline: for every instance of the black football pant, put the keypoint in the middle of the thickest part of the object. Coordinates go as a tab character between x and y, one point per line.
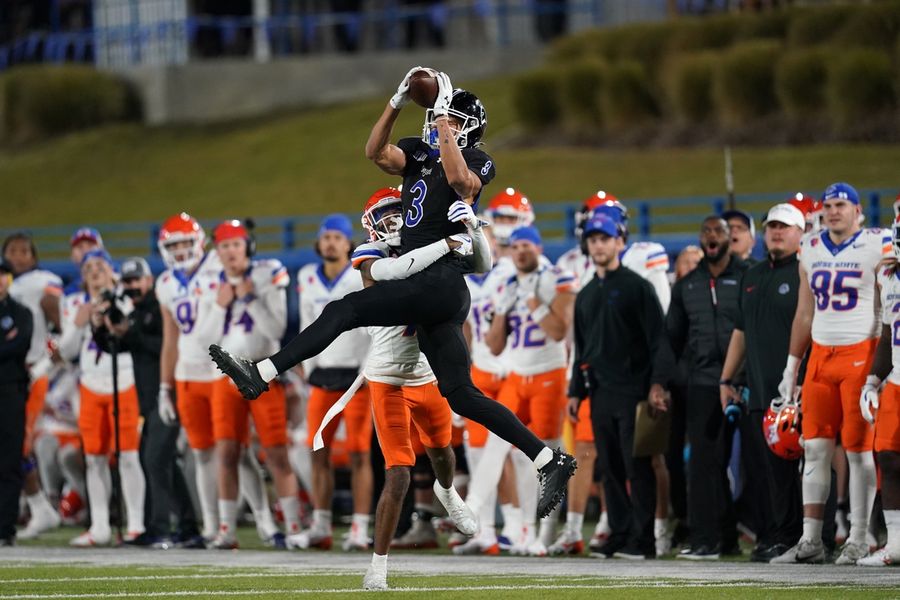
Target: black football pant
12	436
437	302
167	490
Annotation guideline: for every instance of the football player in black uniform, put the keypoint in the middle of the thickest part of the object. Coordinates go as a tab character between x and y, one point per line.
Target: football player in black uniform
443	166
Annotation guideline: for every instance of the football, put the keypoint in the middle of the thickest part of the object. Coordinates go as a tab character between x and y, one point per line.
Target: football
423	88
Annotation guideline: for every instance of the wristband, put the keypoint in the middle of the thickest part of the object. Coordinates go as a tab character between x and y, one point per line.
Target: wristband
538	314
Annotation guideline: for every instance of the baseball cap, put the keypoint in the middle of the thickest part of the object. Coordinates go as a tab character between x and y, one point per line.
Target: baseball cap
135	268
745	217
526	233
336	222
600	223
841	190
88	234
787	214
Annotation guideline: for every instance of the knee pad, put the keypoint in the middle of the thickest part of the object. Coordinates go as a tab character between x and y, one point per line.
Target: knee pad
817	454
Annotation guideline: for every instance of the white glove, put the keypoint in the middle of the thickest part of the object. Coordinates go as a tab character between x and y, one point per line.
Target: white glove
788	387
166	408
508	297
401	98
461	211
445	95
466	241
868	399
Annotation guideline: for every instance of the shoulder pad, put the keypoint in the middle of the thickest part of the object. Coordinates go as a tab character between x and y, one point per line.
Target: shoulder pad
369	251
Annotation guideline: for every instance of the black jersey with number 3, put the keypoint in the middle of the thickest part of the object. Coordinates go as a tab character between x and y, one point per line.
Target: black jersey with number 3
427	196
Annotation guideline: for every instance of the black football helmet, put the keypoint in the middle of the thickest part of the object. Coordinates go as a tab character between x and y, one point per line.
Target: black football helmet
468	109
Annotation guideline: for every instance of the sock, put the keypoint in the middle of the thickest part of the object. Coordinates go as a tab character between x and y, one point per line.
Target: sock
575	523
205	467
543	457
301	462
892	520
547	529
862	493
527	485
253	490
360	526
379	563
812	529
321	520
660	528
99	493
602	527
134	489
228	517
38	503
46	450
290	506
512	521
72	470
267	370
487	475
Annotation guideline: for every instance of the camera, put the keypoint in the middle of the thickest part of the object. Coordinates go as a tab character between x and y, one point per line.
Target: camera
115	312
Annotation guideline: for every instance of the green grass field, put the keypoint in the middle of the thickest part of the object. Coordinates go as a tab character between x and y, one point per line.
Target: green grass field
312	162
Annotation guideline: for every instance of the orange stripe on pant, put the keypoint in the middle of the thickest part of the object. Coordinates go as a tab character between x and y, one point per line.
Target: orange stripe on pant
34	406
538	400
489	384
95	421
887	421
194	400
830	402
397	410
357	417
230	413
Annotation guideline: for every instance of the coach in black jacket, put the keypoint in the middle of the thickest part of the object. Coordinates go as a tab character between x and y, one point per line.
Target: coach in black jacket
619	328
700	320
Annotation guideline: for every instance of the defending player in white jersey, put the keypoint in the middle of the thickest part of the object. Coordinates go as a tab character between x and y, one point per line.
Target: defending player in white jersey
884	412
40	292
532	316
248	318
404	389
837	311
81	311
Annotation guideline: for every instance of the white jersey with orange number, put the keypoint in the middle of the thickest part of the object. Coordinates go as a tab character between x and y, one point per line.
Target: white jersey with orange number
889	280
187	297
29	289
529	350
842	279
482	289
316	290
395	357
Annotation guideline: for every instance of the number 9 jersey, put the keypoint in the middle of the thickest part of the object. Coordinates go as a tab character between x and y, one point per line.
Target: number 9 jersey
842	279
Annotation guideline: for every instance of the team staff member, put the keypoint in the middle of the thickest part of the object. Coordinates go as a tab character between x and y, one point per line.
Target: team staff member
140	334
743	234
700	320
768	300
15	338
619	330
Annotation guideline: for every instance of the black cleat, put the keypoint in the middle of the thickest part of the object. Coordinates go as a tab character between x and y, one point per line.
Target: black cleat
242	372
553	478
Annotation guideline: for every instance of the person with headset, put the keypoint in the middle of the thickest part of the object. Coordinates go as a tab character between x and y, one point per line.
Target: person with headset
248	317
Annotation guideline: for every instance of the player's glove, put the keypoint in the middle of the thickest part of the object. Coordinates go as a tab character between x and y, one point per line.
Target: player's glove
788	386
465	248
461	211
165	406
868	398
401	98
445	95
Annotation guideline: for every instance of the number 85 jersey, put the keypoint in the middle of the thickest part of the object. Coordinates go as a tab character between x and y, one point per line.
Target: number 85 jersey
842	280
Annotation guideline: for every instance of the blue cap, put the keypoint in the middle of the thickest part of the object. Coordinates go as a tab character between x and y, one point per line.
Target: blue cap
527	233
336	222
599	223
842	191
97	253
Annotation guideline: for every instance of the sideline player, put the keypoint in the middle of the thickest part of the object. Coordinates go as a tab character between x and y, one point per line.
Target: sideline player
836	310
443	166
249	317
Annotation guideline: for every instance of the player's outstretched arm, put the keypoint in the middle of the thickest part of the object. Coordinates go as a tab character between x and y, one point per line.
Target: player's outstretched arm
481	248
372	259
379	150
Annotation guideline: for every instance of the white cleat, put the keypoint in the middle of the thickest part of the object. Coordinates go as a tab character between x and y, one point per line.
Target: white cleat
459	512
90	540
478	546
568	543
309	538
40	522
805	551
537	548
852	552
882	558
374	581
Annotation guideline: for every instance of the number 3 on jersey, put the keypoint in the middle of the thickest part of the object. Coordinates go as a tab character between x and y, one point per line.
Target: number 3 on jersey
415	212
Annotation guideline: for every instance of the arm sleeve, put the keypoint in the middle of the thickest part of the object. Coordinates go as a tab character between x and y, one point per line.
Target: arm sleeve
269	312
414	261
660	282
484	262
18	345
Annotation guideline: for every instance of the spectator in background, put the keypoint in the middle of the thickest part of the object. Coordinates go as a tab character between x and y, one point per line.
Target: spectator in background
550	19
15	338
428	17
743	234
348	29
699	323
83	240
768	300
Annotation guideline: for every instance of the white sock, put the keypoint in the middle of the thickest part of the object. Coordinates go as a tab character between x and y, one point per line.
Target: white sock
575	523
228	517
543	457
267	370
379	563
862	493
360	525
38	502
97	475
660	528
602	527
321	520
253	490
527	485
290	507
812	529
487	475
301	462
205	467
72	470
892	520
134	489
46	449
512	521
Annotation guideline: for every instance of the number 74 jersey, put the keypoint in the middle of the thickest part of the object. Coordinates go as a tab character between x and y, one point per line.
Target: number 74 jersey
842	278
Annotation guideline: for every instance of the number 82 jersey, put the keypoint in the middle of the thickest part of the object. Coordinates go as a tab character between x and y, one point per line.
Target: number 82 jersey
842	280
